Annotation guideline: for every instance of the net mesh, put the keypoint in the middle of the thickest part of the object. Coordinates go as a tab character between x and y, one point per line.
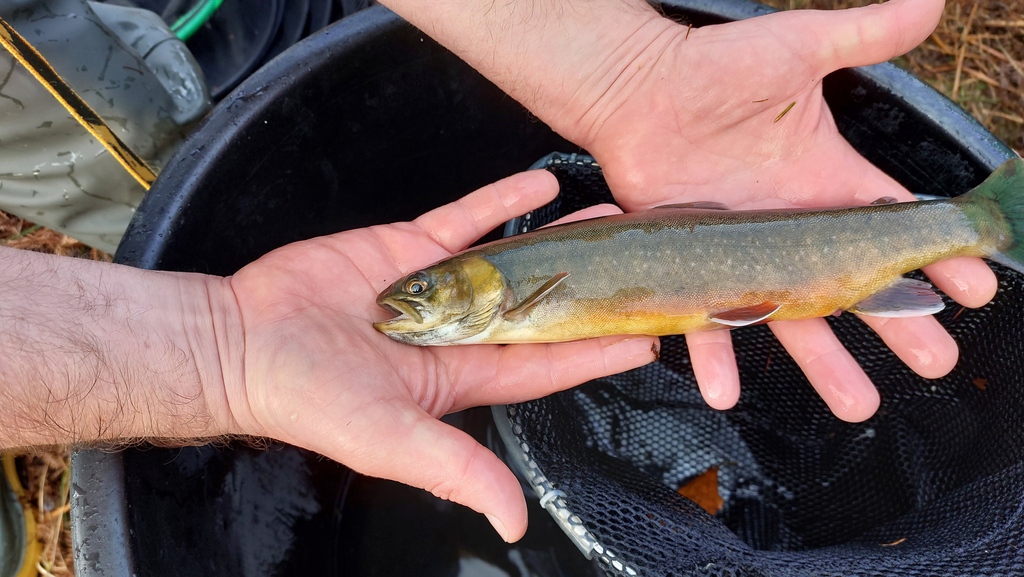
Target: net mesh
931	485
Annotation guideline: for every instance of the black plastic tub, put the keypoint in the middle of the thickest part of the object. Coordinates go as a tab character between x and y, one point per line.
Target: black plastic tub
367	122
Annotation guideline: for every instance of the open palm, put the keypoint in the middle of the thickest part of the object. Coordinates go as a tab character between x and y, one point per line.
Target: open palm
319	376
734	113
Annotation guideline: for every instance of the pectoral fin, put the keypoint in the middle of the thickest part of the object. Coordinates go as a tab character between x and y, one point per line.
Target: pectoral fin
523	308
903	298
745	316
700	204
884	200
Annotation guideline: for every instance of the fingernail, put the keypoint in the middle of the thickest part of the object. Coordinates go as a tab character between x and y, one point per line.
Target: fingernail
498	526
714	390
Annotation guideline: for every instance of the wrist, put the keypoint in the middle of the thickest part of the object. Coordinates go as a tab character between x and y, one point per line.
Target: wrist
214	336
633	54
96	352
569	62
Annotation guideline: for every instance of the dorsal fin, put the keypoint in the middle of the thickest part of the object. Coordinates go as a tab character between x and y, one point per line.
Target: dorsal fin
745	316
884	200
523	308
700	204
903	298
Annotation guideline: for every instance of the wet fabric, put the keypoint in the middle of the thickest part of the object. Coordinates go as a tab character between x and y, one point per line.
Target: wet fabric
126	65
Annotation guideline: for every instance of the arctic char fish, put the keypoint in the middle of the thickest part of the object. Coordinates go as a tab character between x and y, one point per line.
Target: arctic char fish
685	268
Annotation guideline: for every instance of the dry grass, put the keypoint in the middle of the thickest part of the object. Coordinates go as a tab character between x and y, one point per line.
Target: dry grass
19	233
975	57
46	475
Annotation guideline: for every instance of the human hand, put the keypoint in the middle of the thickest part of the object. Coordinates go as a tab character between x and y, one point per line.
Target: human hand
697	115
318	375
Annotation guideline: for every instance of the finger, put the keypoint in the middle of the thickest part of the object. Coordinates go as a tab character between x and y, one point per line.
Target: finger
920	342
714	367
456	225
968	281
524	372
866	35
869	183
833	373
418	450
596	211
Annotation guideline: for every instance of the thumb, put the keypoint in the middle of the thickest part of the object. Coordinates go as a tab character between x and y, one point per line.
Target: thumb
869	34
423	452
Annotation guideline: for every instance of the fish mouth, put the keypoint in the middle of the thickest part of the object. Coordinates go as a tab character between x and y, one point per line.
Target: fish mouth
405	311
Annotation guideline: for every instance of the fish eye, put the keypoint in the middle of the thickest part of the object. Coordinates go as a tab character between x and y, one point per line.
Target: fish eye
415	286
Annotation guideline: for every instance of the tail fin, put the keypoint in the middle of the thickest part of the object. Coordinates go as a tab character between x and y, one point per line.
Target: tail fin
1005	188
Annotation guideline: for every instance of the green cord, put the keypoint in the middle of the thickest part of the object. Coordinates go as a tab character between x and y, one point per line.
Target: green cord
194	19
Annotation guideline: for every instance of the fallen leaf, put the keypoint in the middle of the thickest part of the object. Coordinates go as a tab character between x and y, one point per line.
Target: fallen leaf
703	490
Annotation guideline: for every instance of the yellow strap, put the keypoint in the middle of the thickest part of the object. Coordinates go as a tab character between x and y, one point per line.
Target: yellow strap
33	549
31	59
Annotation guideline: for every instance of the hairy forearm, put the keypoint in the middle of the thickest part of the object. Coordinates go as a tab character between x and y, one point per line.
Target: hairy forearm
99	352
568	61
